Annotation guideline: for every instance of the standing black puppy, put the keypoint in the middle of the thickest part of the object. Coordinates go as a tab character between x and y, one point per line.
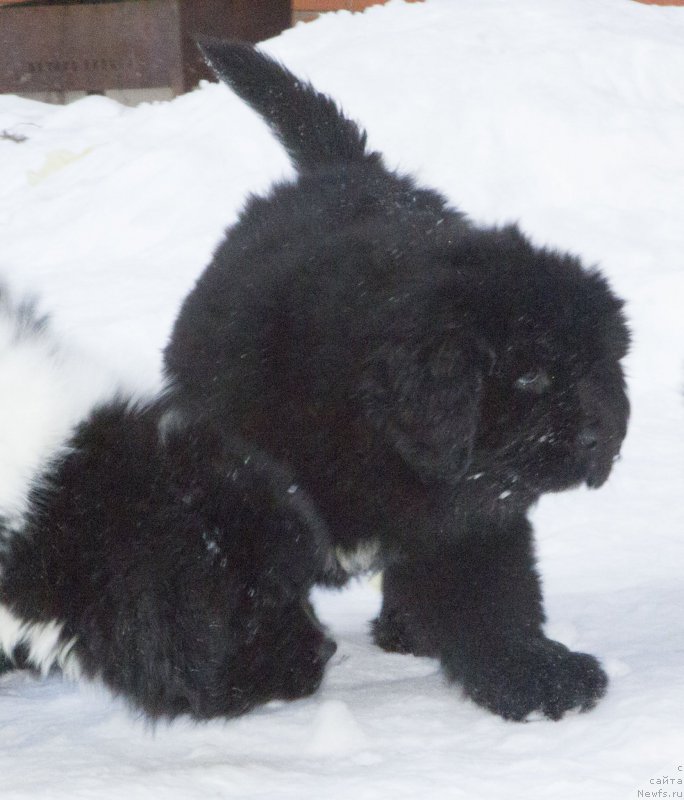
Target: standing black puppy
427	379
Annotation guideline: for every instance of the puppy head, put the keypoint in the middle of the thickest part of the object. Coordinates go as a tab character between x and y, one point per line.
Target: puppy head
554	410
512	369
243	644
246	545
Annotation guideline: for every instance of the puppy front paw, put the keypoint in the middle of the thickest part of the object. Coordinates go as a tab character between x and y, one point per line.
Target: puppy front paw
533	675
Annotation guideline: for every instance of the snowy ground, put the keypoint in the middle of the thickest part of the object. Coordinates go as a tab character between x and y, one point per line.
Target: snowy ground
567	116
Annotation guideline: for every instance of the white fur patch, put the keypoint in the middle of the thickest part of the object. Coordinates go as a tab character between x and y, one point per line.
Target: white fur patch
45	391
42	642
362	559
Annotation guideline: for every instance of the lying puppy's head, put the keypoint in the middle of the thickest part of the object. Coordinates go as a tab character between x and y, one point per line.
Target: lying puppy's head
512	370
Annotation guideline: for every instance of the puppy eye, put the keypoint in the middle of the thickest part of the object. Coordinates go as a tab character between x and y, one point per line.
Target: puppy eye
535	381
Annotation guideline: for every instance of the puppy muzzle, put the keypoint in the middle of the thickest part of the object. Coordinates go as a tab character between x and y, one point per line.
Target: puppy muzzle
601	457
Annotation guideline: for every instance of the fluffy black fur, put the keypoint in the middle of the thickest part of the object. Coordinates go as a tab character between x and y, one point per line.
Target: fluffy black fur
176	563
426	378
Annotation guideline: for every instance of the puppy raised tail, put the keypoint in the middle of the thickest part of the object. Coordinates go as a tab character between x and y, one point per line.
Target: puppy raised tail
309	124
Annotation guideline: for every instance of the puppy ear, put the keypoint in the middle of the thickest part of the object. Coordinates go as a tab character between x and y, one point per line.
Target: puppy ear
425	399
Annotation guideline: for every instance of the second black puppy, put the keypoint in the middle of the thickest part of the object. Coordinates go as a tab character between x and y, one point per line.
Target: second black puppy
427	379
155	554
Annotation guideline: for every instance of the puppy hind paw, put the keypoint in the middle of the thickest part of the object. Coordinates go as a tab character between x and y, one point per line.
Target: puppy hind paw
388	636
538	676
395	633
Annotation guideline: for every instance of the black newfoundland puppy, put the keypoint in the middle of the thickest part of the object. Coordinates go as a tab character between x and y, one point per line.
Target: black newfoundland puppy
160	557
426	379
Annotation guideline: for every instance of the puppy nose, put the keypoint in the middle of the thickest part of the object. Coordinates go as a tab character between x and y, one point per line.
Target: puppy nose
588	438
327	650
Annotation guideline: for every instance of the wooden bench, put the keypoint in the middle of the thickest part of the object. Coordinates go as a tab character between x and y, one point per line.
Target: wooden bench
123	44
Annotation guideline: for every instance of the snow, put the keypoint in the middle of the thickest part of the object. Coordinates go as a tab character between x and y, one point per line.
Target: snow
567	116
